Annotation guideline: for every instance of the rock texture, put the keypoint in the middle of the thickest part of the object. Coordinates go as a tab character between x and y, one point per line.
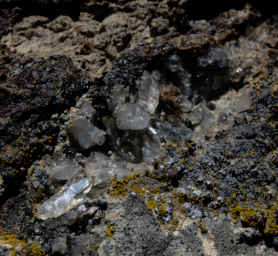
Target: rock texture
138	128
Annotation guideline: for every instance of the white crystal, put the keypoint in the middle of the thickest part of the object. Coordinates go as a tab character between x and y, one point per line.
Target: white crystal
148	93
69	197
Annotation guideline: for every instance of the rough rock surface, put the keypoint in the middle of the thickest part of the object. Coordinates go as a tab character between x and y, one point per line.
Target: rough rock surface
138	128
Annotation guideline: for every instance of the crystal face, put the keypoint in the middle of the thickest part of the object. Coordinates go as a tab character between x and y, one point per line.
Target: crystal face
69	197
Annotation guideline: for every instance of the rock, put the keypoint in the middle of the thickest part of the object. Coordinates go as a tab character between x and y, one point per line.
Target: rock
250	236
32	91
275	242
212	78
84	135
83	109
196	116
5	250
70	196
47	174
102	169
159	26
132	117
185	242
185	105
171	132
87	110
46	6
82	244
180	75
83	211
59	246
136	232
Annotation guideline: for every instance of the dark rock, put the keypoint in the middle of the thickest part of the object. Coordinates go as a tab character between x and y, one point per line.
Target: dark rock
45	7
81	244
5	250
31	91
179	74
212	77
159	26
250	236
59	246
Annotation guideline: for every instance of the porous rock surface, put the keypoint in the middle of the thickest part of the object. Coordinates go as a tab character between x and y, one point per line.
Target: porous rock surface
138	128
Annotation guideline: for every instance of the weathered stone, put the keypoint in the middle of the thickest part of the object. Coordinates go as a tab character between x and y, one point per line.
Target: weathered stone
136	233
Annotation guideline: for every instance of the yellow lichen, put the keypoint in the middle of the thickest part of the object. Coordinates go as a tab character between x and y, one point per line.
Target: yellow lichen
20	247
151	204
202	227
111	228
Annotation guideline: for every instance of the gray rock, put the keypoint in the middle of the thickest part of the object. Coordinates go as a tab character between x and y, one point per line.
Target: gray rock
87	110
85	135
132	117
275	242
120	96
196	116
185	105
59	246
5	250
137	232
186	242
226	240
174	133
82	245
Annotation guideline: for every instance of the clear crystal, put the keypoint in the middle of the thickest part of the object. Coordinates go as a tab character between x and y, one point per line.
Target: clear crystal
69	197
